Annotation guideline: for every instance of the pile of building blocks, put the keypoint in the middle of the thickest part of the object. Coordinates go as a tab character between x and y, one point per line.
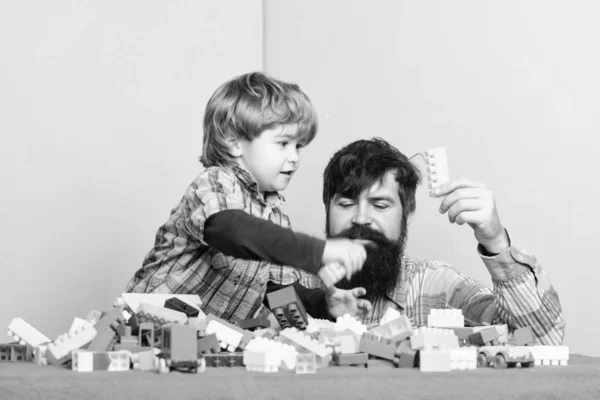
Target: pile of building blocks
164	333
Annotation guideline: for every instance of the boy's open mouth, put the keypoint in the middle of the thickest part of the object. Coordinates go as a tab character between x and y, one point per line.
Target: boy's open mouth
287	173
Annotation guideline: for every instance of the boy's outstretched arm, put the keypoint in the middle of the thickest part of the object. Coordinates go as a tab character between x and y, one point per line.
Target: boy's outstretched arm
241	235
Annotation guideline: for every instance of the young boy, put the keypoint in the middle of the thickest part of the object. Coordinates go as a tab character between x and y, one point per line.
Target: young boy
220	238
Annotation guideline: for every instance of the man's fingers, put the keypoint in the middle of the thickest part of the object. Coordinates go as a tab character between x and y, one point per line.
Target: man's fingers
459	195
455	184
461	206
364	242
359	291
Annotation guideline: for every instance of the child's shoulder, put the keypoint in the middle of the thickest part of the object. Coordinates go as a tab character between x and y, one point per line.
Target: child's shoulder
217	178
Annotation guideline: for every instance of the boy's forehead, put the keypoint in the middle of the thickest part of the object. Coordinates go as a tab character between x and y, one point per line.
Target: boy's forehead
287	130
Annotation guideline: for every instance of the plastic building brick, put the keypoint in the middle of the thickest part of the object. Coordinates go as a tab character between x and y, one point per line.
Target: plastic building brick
406	357
504	356
133	300
523	336
303	343
433	337
229	338
39	354
285	352
356	359
104	341
59	351
79	323
434	359
93	316
159	315
397	329
261	361
208	344
254	323
146	329
349	344
199	323
390	315
144	360
437	168
24	333
484	337
376	346
347	322
228	360
316	325
88	361
179	345
463	358
177	304
306	363
331	274
502	332
15	352
445	318
550	355
287	308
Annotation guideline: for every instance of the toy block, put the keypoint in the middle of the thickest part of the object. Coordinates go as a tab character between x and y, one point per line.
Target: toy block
131	348
463	358
208	344
179	305
285	352
133	300
268	333
331	274
179	343
254	323
502	331
110	320
379	347
356	359
105	340
437	168
144	361
397	329
428	336
93	316
406	357
389	315
303	343
445	318
134	323
24	333
329	338
550	355
434	360
199	323
484	337
159	315
39	354
287	308
349	344
306	363
146	334
59	351
229	336
261	361
523	336
228	360
5	352
347	322
89	361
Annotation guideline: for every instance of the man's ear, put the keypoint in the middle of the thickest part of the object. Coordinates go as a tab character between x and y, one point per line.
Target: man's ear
233	146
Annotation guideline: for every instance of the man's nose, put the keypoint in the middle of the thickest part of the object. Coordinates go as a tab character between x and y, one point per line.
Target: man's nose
361	216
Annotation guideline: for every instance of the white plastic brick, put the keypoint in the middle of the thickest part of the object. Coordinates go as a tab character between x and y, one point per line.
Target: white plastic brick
24	333
446	318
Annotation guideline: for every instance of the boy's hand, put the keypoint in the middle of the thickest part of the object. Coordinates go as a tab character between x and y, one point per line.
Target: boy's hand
469	202
340	302
350	253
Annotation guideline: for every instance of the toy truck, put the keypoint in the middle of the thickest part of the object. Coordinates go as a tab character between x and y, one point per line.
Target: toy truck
179	350
504	357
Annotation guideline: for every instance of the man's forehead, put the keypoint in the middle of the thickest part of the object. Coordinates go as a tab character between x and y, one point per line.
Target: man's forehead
387	186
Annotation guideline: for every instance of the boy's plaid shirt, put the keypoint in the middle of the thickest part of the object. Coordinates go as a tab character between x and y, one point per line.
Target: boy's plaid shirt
522	295
181	262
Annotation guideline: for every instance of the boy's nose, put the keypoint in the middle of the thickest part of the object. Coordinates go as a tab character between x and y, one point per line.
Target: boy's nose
293	155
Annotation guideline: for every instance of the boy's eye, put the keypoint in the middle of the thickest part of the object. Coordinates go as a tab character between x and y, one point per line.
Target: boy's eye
299	146
283	144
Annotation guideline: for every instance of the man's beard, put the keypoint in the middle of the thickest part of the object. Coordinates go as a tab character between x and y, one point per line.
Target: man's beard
383	267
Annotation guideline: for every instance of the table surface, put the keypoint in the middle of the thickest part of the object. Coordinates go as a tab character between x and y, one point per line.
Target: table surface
579	380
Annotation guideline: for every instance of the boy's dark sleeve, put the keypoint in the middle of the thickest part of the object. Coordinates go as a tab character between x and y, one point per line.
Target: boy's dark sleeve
241	235
313	300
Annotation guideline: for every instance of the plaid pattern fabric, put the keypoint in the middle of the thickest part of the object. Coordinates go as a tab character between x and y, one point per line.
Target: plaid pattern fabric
522	295
181	262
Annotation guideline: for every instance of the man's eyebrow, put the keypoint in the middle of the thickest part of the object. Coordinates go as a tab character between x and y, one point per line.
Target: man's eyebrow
382	197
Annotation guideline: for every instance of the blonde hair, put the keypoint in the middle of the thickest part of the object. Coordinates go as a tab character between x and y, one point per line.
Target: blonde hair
249	104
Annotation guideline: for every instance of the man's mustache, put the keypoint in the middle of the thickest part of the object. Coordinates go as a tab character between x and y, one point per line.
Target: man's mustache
364	232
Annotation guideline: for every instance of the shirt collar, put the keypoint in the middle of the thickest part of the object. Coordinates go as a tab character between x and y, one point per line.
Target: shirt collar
273	199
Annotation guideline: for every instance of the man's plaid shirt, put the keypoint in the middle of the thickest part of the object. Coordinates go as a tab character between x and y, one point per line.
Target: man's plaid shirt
181	262
522	294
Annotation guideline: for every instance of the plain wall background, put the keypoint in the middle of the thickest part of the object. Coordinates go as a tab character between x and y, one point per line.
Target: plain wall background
102	102
101	119
509	88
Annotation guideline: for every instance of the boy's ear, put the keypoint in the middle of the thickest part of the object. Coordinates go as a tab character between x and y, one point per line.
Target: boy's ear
233	146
